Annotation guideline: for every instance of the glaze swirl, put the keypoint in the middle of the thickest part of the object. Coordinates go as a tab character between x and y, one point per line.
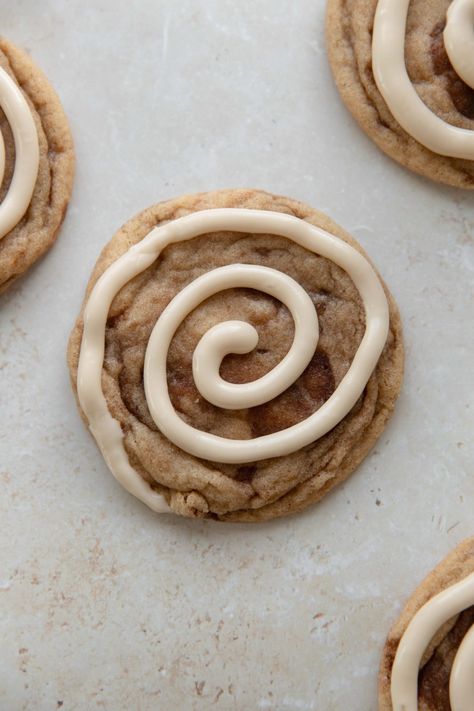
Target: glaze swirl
419	633
225	338
393	82
20	119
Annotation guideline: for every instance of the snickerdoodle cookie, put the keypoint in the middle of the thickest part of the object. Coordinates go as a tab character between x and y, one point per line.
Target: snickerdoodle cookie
428	657
236	355
404	69
36	163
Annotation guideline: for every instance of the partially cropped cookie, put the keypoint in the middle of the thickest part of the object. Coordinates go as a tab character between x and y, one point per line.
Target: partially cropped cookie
236	355
428	658
405	71
36	163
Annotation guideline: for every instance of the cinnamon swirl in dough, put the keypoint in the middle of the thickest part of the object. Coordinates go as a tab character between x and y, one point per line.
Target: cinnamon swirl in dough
236	355
429	654
404	70
36	163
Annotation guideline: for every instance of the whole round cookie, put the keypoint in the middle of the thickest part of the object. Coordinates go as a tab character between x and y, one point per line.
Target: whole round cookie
428	658
225	361
404	69
36	163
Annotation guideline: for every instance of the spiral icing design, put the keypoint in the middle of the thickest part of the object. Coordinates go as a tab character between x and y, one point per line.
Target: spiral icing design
229	337
419	633
393	82
25	136
459	39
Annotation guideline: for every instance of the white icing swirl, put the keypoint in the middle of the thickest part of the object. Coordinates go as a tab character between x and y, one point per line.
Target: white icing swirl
22	124
419	633
459	39
229	337
222	339
393	82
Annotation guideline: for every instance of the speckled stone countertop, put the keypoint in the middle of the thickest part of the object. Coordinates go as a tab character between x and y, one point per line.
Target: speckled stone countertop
104	605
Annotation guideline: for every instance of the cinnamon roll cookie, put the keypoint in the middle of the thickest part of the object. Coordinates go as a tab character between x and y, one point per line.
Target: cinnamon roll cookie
428	658
36	163
404	68
236	355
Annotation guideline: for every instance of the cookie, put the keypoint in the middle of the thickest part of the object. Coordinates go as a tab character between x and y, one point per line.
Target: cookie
429	654
37	155
404	71
228	369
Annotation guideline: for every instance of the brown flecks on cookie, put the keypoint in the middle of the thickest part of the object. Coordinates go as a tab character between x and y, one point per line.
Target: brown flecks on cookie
461	94
434	676
304	397
349	37
433	679
250	491
38	229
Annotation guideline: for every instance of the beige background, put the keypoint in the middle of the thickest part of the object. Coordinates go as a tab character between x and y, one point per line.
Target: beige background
104	605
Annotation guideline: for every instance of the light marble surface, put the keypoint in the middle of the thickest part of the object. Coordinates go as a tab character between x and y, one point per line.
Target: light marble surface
104	605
